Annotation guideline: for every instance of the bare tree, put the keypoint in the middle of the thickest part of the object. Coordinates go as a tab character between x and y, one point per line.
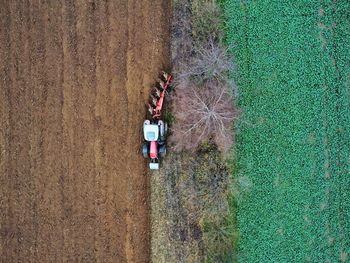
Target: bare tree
209	61
203	113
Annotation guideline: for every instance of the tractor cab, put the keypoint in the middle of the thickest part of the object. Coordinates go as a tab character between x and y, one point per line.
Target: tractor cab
150	131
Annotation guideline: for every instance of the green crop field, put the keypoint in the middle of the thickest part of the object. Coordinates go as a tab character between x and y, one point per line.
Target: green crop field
293	137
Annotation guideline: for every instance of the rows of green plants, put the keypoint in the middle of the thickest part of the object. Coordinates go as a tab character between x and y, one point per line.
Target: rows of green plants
293	137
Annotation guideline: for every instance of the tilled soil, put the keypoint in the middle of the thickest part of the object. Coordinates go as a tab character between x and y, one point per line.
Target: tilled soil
74	77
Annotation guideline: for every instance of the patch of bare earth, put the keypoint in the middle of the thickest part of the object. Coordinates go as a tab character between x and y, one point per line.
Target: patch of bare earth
74	77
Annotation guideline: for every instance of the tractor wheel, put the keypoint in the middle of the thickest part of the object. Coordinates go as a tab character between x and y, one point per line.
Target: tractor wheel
165	129
162	151
161	125
145	150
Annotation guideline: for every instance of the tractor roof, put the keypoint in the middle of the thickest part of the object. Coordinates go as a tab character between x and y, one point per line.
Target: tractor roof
151	132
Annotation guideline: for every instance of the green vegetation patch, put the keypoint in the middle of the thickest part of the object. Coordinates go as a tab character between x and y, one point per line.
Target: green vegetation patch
190	209
293	138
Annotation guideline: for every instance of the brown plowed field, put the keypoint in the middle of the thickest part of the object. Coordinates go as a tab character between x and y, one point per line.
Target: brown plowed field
74	77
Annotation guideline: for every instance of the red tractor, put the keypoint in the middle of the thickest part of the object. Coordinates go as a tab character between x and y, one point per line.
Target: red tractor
154	129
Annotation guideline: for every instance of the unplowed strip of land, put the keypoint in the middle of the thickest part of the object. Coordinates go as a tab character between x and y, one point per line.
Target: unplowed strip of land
74	77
